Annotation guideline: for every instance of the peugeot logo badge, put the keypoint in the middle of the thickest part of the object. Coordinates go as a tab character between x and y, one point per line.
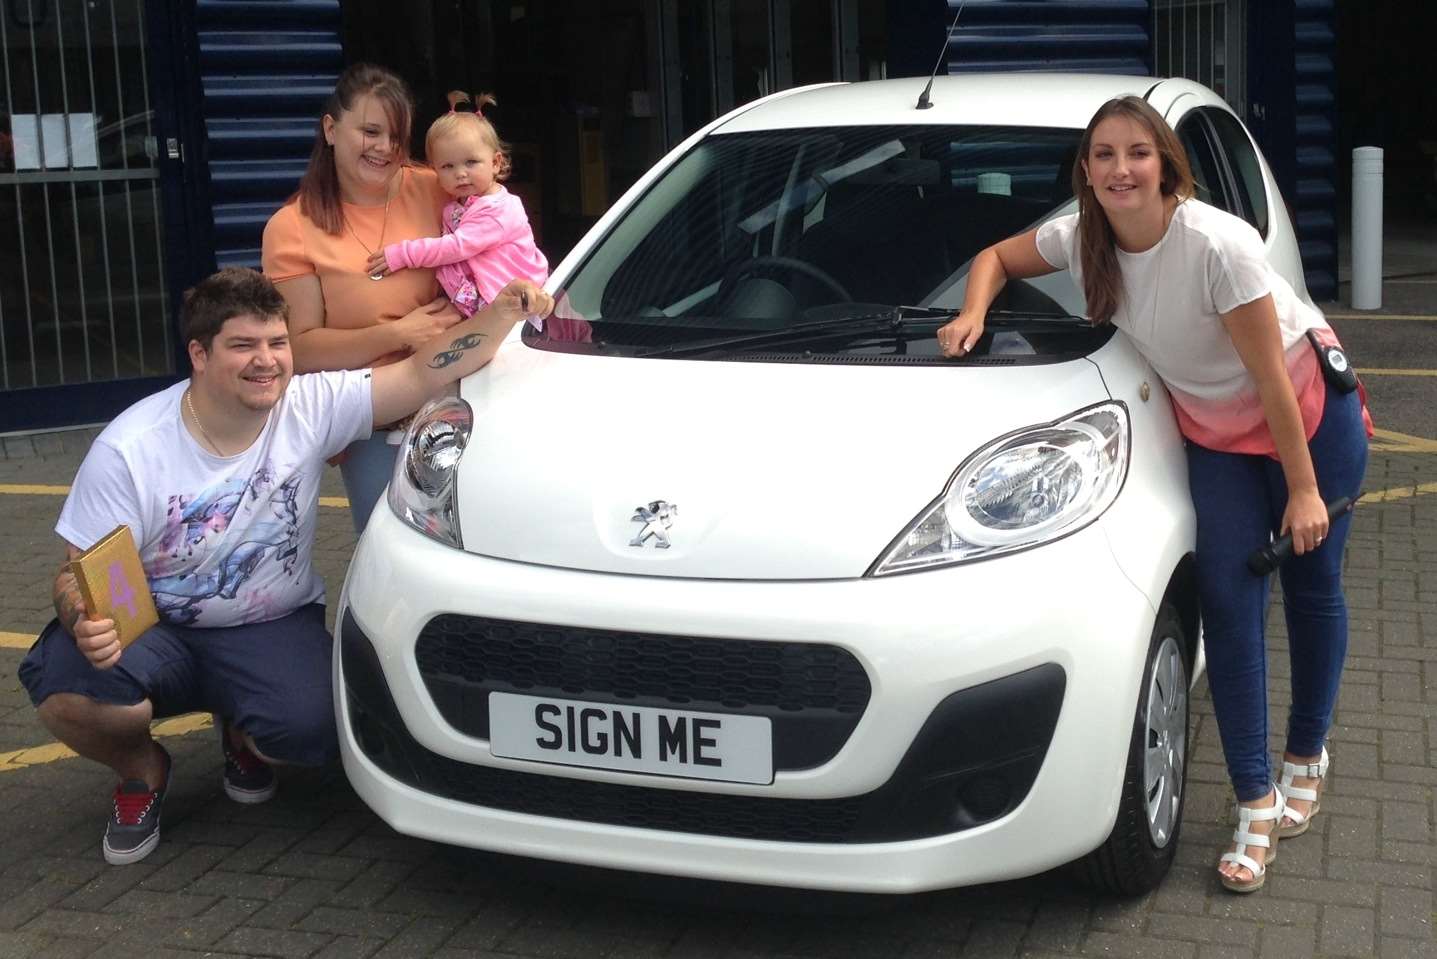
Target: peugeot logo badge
657	518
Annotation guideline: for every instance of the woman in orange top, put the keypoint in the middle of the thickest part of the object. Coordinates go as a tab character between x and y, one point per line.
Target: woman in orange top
358	193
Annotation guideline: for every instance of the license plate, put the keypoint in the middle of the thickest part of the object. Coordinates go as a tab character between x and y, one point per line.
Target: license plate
641	739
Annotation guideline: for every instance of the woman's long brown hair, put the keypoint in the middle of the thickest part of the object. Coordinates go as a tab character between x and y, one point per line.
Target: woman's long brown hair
1102	279
318	192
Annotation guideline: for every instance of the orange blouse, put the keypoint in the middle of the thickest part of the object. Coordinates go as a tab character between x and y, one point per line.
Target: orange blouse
294	246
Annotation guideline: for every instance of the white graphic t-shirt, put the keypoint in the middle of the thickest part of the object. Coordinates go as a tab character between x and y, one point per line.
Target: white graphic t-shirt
224	540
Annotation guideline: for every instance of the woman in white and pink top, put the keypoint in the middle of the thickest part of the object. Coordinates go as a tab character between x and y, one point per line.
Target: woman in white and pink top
487	240
1269	439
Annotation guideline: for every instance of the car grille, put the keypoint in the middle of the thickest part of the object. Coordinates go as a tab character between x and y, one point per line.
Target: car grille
973	761
813	693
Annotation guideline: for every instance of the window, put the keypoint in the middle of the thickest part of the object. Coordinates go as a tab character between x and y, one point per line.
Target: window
1206	166
766	229
1246	168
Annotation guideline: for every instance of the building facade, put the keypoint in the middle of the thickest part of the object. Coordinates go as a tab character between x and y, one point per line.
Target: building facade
144	142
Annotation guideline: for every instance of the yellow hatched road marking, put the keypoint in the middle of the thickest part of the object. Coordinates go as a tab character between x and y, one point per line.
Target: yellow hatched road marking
16	640
1382	316
1391	441
33	489
52	752
1397	493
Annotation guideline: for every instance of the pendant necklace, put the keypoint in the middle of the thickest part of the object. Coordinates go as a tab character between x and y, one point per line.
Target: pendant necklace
382	224
1157	284
1158	279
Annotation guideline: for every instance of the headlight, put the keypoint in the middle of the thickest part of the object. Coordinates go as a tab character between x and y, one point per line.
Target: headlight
422	491
1028	488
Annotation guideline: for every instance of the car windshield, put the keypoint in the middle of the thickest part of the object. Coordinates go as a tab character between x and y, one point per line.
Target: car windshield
814	232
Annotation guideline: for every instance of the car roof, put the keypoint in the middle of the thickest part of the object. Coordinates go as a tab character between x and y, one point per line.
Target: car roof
1063	100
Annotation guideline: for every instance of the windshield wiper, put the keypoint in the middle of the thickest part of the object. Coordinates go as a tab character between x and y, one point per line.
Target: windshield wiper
894	318
1033	320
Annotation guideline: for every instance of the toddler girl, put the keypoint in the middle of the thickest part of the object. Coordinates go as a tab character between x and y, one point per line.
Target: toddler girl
487	240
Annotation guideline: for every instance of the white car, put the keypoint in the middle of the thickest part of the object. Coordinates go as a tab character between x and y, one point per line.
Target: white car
729	574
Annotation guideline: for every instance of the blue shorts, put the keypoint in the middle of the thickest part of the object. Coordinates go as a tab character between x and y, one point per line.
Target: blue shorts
272	679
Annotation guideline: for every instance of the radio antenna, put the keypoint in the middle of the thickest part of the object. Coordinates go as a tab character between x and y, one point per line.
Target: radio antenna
923	102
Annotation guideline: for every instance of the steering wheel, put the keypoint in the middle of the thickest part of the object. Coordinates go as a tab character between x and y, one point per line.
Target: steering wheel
737	272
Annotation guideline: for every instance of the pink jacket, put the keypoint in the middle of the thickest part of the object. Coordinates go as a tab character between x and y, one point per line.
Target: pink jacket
487	239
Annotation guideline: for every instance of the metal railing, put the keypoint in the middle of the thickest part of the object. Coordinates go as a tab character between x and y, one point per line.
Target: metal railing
80	301
1206	41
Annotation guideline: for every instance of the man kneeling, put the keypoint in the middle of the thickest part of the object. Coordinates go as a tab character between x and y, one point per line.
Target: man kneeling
218	479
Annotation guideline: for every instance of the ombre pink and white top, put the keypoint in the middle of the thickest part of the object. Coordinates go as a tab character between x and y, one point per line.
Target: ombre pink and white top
1208	263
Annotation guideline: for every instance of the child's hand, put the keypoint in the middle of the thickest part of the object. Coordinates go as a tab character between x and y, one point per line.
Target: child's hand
377	265
522	299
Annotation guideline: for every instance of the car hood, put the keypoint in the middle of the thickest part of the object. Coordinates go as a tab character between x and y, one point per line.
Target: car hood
770	471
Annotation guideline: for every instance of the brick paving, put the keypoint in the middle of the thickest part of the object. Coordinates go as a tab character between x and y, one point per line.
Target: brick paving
314	874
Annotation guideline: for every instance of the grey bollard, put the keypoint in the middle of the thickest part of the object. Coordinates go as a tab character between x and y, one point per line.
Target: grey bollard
1367	228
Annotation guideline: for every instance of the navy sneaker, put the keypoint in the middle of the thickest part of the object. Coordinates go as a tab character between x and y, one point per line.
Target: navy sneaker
133	831
248	779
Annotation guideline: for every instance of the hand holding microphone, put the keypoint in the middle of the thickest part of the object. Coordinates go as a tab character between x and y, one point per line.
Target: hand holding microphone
1268	558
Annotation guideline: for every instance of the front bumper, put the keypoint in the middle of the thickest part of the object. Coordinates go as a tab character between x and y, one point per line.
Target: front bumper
952	656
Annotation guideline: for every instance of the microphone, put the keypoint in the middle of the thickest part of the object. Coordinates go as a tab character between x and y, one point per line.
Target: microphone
1270	557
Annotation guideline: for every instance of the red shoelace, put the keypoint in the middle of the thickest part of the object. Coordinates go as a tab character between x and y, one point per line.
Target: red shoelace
130	808
247	761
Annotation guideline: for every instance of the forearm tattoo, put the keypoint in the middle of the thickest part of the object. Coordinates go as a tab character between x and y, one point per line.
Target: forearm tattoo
69	605
456	350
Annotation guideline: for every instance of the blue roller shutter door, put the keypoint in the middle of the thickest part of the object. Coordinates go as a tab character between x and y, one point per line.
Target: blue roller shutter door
1314	199
1086	36
266	67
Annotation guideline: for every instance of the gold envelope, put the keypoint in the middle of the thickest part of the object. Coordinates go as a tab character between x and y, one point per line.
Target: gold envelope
112	582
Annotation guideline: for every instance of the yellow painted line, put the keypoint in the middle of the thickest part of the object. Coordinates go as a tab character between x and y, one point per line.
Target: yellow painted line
53	752
16	640
1391	441
1378	372
1429	317
1397	493
31	489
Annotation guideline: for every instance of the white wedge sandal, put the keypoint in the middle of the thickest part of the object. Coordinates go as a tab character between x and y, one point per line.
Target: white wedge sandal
1290	771
1245	837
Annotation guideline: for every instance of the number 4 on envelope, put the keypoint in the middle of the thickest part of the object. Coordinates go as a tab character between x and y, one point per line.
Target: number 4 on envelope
112	582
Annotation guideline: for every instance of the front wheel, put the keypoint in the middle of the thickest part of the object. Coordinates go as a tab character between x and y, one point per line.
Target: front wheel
1136	855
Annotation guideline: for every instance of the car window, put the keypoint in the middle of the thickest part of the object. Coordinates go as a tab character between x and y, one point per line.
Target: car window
1206	167
1246	169
764	230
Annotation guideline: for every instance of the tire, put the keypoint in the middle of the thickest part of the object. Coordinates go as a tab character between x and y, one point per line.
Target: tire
1137	854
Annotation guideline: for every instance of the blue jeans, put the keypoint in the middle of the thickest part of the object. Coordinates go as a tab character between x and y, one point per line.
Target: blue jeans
1239	501
366	469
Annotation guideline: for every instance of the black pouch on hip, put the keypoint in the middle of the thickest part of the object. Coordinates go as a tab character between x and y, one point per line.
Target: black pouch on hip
1335	368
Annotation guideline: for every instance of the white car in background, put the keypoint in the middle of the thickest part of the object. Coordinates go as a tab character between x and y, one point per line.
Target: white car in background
732	575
